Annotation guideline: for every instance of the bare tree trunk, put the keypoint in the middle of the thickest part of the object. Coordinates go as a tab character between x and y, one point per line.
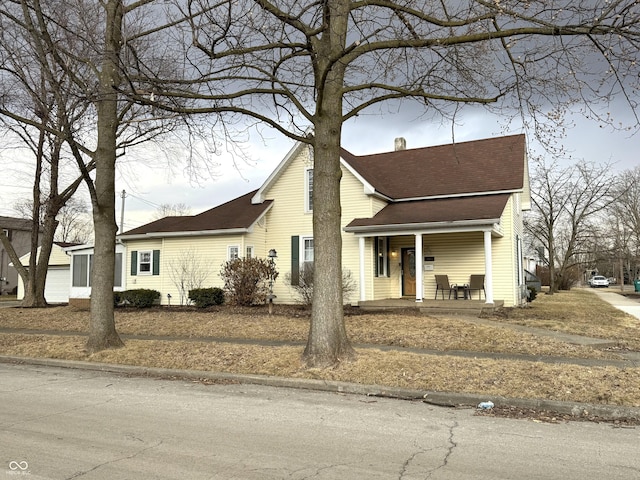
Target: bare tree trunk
32	296
102	329
327	343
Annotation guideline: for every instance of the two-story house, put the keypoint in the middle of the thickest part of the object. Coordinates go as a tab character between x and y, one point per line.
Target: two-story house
407	216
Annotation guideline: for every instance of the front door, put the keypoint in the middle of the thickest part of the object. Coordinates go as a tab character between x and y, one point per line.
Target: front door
409	272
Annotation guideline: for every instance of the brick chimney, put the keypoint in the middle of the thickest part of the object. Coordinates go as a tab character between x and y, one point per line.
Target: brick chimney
400	144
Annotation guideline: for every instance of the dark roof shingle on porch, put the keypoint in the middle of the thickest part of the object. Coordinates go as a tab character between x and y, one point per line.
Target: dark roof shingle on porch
484	207
488	165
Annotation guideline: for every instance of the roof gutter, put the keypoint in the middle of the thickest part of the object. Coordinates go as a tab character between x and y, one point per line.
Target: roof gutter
194	233
490	224
457	195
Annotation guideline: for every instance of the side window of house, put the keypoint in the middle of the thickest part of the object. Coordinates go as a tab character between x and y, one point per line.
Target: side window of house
80	274
301	254
308	187
382	256
145	262
249	252
117	274
82	266
233	252
308	250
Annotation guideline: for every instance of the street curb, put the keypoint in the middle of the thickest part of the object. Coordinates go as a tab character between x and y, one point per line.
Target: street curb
443	399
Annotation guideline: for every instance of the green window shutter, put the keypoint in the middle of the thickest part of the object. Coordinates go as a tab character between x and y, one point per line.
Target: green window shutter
134	263
295	260
156	262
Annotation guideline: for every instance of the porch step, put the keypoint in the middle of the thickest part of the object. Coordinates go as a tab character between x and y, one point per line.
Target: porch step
432	307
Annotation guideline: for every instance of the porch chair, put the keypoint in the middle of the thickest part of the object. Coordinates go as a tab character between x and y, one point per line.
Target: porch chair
476	282
442	284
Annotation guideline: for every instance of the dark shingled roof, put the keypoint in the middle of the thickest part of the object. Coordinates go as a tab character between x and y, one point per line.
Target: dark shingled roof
488	165
483	207
238	213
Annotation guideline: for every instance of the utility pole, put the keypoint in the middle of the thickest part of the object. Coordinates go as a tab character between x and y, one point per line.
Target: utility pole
124	194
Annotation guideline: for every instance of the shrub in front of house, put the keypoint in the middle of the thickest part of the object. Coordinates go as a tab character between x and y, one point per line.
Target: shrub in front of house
139	297
532	294
247	280
303	284
206	297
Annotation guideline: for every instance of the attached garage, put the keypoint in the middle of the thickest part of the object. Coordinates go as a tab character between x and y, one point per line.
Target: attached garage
56	288
58	283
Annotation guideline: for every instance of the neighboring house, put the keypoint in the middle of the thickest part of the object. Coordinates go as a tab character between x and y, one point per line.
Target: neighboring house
407	215
18	230
56	288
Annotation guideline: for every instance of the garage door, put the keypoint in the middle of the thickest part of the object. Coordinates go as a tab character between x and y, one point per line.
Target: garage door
56	290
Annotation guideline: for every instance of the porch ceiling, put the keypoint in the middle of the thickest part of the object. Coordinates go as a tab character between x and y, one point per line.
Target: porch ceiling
479	210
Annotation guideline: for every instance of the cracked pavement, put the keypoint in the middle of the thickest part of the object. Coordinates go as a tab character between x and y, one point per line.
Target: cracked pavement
73	424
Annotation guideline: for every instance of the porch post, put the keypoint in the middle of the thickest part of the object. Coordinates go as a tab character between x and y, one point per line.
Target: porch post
362	276
488	269
419	282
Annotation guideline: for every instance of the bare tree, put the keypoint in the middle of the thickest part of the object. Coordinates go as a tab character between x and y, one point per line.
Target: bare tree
171	210
626	211
33	117
187	271
89	44
74	222
299	63
73	219
566	205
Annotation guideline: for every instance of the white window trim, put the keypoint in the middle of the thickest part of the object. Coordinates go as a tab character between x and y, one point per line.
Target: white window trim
308	201
230	248
87	279
249	251
303	258
150	262
382	256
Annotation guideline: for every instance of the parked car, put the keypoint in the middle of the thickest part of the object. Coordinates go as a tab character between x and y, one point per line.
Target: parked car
598	281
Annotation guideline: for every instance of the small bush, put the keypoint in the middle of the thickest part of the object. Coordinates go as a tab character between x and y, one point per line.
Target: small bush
532	294
246	280
206	297
304	288
140	297
117	298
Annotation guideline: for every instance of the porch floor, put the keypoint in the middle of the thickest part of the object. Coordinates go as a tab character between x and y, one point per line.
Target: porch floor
433	307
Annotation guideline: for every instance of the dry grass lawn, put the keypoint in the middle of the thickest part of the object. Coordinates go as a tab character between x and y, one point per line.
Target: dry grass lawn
194	332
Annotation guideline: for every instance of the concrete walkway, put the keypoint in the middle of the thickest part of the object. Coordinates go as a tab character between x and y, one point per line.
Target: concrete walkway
612	296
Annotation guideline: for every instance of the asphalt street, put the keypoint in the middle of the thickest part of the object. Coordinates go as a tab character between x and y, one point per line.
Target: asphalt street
77	424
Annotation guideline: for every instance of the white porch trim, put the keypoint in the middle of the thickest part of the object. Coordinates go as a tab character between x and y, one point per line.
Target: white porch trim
488	232
488	268
363	290
419	272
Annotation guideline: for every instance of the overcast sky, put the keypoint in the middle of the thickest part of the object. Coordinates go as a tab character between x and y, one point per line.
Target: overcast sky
149	186
587	141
